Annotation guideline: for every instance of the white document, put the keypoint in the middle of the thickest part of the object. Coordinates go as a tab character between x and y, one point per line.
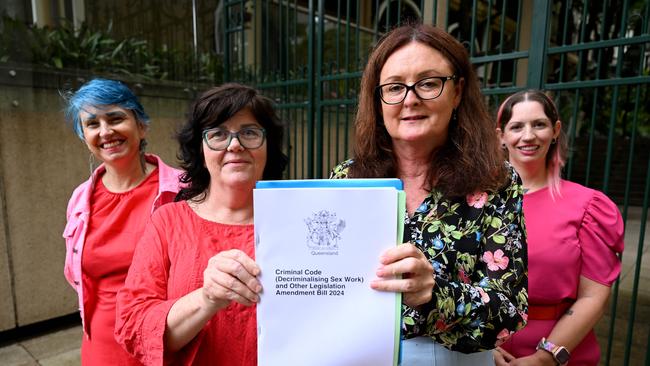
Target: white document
318	249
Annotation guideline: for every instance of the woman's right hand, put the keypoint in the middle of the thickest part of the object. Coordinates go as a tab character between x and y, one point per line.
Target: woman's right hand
231	276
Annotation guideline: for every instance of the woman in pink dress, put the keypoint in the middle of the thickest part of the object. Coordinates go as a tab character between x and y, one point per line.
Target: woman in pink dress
574	236
190	295
107	214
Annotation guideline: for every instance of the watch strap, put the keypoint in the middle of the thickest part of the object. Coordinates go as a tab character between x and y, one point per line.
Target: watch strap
545	345
555	351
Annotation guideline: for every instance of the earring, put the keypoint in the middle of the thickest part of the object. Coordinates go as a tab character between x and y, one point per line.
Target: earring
454	115
143	161
504	147
554	141
91	163
456	144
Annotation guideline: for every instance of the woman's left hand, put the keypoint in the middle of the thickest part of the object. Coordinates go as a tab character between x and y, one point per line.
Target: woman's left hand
407	261
501	357
539	358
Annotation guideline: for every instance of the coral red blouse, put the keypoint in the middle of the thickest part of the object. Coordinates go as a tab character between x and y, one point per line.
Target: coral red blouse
168	263
117	221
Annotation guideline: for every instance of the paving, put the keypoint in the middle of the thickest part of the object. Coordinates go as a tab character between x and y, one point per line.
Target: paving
61	346
58	348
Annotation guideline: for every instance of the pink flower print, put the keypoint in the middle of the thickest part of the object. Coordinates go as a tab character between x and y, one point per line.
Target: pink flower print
477	199
502	337
524	316
441	325
496	261
463	276
484	296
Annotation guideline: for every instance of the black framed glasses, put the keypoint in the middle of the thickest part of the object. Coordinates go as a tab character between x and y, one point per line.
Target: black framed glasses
219	139
425	89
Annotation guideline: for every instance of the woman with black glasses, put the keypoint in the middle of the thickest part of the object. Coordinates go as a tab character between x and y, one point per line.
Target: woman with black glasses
462	267
190	295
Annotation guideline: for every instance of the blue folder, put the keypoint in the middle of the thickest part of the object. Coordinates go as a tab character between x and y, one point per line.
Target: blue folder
332	183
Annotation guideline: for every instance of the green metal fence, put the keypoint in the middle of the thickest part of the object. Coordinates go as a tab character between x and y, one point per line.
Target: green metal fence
592	56
308	55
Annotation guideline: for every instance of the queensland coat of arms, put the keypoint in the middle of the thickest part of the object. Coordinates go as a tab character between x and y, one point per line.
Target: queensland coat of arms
324	230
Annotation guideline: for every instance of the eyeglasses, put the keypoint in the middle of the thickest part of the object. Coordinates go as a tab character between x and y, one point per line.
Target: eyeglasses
219	138
425	89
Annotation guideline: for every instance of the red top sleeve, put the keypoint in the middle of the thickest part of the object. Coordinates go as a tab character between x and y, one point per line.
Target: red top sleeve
142	303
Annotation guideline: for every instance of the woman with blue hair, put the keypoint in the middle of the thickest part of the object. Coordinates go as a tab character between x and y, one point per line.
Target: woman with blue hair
107	214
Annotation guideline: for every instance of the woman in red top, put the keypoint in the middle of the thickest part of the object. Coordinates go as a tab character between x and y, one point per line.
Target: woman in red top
190	293
107	214
574	235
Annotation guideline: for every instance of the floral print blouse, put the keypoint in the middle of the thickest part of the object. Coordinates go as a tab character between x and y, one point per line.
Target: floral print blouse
477	246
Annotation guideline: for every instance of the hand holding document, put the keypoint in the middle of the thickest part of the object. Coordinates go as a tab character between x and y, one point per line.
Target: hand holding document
318	244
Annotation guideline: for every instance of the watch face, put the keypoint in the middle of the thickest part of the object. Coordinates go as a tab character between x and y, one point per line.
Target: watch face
562	355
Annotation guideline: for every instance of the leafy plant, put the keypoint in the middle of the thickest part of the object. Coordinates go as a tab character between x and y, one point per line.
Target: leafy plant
64	47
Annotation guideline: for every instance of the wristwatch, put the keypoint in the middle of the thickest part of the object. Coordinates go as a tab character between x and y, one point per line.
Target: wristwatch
560	354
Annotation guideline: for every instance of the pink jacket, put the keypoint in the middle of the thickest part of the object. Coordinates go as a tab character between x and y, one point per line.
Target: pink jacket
78	212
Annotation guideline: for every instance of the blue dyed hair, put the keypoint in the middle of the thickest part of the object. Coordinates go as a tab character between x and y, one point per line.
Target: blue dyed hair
102	92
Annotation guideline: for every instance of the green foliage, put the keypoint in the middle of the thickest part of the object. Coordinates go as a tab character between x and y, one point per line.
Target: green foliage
65	47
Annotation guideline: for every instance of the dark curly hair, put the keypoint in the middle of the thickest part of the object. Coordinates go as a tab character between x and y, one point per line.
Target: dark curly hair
212	108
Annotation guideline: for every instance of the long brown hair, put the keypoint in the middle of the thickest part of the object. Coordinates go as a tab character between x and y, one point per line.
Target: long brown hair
469	161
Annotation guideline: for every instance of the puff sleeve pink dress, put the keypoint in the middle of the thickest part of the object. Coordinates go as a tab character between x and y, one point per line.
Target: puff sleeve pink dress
578	234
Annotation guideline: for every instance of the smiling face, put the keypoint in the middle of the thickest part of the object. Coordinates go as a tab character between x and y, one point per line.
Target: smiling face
423	123
528	134
236	166
111	133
